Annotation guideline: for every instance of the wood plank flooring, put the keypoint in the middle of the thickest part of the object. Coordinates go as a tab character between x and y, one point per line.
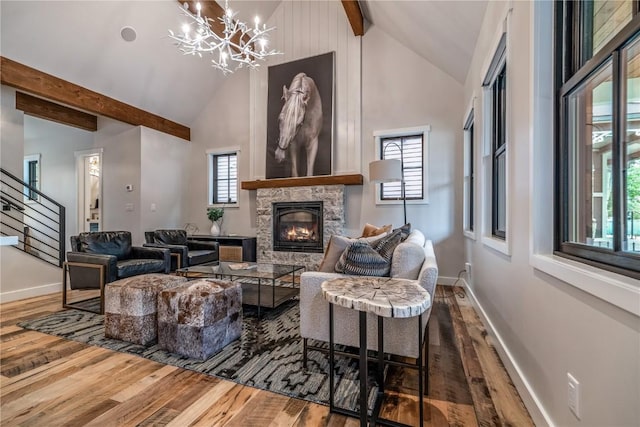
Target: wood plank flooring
48	381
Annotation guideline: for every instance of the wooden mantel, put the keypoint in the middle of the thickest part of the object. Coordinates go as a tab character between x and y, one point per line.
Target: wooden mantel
353	179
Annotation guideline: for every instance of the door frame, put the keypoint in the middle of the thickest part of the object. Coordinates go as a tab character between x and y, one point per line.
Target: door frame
81	156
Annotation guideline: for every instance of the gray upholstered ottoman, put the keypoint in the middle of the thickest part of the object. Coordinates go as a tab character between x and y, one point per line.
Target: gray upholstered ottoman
131	306
199	318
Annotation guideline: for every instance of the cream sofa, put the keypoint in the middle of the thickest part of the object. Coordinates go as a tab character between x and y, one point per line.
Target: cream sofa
400	335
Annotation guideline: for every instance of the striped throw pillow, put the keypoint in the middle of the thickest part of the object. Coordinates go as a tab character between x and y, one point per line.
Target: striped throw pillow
387	244
362	260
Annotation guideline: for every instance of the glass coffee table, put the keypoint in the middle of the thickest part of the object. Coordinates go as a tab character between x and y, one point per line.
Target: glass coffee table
264	285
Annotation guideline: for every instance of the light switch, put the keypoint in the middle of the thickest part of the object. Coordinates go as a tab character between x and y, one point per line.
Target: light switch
153	207
129	207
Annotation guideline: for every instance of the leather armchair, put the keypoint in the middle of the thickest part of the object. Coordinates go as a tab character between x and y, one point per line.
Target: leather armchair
184	252
99	258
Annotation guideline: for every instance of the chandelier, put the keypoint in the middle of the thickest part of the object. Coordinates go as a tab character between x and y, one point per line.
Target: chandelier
231	50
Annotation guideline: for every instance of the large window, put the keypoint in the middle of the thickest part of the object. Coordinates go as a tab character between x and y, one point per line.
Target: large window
408	146
495	156
598	140
224	178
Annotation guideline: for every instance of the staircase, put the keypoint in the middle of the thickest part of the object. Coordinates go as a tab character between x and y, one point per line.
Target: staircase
37	220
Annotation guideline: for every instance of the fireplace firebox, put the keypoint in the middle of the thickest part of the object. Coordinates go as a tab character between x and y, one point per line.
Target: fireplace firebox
297	227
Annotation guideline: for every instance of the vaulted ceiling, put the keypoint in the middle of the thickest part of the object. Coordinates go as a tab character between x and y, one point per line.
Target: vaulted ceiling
80	41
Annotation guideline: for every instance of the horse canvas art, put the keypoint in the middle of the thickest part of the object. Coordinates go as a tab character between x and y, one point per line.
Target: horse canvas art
300	118
300	122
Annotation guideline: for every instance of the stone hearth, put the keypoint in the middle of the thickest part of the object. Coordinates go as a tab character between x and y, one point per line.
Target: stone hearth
332	197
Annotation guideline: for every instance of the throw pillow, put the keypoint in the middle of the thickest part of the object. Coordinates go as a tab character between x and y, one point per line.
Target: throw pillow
362	260
335	248
407	261
405	230
371	230
387	244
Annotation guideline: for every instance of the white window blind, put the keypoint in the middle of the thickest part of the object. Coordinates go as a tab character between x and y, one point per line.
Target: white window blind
225	178
413	168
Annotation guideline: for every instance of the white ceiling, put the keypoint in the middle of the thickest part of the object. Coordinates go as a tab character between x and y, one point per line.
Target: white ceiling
80	41
442	32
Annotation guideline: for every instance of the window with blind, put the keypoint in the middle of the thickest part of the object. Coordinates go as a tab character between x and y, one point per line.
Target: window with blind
408	146
598	137
224	178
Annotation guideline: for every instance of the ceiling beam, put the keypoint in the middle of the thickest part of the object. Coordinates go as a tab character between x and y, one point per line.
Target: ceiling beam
38	107
211	10
44	85
354	14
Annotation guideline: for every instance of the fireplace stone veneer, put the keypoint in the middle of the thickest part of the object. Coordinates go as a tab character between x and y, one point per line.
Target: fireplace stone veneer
332	198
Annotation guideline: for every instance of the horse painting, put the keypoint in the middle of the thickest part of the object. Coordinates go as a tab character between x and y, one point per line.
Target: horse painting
300	123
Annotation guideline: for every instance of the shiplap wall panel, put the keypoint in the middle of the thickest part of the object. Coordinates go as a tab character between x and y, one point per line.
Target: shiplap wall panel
305	29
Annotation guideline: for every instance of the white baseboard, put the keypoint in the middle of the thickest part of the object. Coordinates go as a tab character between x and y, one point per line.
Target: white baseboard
36	291
449	281
534	406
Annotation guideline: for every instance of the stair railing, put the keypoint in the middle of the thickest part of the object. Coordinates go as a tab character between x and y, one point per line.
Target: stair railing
37	219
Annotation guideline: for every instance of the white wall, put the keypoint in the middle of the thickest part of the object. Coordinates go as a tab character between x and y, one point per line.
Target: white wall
413	94
11	134
372	93
56	143
23	276
546	326
121	160
164	181
222	125
305	29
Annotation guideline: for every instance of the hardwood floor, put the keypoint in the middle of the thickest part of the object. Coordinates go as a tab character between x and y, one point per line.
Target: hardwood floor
48	381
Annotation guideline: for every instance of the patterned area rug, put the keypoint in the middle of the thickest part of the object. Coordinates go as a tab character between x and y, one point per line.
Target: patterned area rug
268	356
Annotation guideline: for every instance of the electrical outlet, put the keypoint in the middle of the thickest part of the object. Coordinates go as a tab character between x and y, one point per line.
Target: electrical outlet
467	267
574	395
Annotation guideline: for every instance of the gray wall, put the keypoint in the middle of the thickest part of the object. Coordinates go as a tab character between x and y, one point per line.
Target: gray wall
546	326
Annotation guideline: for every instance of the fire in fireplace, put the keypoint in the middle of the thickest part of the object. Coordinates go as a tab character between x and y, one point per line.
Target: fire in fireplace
297	226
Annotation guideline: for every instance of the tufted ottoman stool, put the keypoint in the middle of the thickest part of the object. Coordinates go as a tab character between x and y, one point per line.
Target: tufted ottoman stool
197	319
131	306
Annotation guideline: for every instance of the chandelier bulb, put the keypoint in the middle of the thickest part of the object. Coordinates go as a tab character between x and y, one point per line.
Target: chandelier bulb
257	21
185	29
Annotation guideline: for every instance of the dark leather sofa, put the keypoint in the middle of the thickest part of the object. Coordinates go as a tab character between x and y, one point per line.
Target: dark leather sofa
184	252
99	258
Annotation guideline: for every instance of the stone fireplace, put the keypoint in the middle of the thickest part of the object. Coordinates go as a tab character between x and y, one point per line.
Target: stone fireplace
328	206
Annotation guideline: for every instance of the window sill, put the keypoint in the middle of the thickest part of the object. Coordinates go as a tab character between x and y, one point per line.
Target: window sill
621	291
499	245
469	234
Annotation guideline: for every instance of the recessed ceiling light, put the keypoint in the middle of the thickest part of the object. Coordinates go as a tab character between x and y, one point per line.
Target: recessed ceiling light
128	34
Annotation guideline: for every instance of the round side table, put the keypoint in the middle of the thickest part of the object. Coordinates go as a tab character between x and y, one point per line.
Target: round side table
384	297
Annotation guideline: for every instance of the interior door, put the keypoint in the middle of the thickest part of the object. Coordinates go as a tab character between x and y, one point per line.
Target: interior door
90	191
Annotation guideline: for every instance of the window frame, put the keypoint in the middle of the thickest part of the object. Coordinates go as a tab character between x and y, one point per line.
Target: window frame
574	67
381	135
28	196
498	61
212	155
620	291
498	150
469	223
